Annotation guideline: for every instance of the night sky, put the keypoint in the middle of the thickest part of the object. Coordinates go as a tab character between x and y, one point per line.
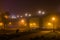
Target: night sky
22	6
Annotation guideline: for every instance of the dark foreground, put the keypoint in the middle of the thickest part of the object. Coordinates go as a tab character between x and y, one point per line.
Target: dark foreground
39	35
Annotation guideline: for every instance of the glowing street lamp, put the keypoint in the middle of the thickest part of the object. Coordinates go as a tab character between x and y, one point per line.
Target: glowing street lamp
27	19
33	25
26	14
53	19
1	24
13	17
17	16
49	24
39	12
22	22
6	16
43	13
29	14
10	23
21	16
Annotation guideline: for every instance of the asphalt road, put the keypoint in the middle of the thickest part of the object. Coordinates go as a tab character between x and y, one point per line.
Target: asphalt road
39	34
31	35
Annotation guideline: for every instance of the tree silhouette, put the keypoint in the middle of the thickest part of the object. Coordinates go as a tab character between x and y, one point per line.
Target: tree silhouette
4	18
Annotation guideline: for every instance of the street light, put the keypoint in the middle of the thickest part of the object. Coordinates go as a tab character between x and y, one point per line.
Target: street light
26	14
33	25
6	16
21	16
43	13
40	14
10	23
17	16
53	19
29	15
49	24
1	24
22	21
13	17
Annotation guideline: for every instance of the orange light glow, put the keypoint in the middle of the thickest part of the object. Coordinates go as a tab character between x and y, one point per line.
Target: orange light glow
6	16
53	18
1	24
33	25
49	24
10	23
22	22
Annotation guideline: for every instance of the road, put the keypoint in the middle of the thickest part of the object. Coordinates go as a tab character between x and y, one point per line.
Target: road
32	34
38	34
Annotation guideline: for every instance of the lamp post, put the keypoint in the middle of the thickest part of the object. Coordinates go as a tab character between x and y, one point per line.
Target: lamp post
5	21
41	13
28	18
53	19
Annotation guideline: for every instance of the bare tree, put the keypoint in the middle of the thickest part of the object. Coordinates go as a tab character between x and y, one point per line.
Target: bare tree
5	17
